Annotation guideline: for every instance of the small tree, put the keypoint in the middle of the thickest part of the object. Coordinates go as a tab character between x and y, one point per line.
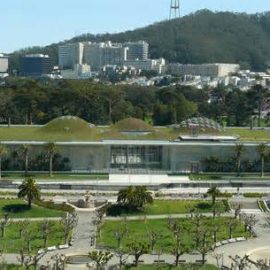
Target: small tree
216	229
22	226
29	190
153	236
3	152
263	151
51	150
231	225
69	222
28	237
137	249
100	258
237	209
239	150
179	247
3	224
121	254
45	228
205	244
240	263
120	233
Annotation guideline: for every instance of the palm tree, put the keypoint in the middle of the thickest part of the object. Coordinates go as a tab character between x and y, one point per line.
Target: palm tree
25	149
3	152
239	149
263	151
30	190
51	150
213	192
134	197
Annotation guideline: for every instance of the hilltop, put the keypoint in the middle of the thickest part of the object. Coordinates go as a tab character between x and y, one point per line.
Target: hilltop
200	37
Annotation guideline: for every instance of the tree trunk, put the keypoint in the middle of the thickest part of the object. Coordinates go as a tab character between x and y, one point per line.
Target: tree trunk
177	256
45	241
29	202
262	169
230	232
26	164
137	256
51	165
0	167
203	258
238	167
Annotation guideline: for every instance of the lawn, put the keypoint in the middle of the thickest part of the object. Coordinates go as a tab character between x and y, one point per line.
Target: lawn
36	133
168	207
139	230
16	208
57	176
168	267
13	243
160	207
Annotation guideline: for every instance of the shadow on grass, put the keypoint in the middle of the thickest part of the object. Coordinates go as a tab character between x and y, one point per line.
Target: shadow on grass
121	210
15	208
203	206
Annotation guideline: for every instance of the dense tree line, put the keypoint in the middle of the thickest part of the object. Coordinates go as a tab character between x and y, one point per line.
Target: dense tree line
204	36
25	101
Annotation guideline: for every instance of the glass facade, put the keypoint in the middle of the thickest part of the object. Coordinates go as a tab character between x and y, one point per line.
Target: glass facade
144	157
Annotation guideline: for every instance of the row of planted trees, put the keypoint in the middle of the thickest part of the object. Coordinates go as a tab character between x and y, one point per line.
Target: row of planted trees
50	156
237	164
197	232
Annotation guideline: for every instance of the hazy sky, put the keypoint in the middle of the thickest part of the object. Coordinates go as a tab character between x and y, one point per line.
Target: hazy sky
27	23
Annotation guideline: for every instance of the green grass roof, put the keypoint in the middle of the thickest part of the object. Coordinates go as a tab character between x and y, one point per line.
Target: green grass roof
76	129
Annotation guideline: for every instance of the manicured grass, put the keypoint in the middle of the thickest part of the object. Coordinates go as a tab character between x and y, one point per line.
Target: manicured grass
169	267
16	208
168	207
58	177
138	230
249	135
34	133
160	207
12	243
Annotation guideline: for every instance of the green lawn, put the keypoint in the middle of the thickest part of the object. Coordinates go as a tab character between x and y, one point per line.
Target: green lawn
30	133
168	207
249	135
160	207
12	243
16	208
139	230
58	177
168	267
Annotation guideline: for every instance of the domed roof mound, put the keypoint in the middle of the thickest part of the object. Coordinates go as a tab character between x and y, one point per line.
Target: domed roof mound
201	123
67	124
133	124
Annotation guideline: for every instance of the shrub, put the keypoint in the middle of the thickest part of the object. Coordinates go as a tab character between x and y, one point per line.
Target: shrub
51	205
253	195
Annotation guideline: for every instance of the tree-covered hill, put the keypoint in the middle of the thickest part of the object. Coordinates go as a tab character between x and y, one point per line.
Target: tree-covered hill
204	36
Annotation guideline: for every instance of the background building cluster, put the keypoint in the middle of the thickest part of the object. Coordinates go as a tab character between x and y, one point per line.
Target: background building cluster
84	57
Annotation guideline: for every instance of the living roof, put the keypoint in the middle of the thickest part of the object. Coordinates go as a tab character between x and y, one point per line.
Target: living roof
132	124
70	129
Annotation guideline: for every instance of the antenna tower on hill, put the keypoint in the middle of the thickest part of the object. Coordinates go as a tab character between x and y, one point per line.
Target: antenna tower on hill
175	9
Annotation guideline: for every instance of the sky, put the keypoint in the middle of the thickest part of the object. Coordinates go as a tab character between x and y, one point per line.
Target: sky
26	23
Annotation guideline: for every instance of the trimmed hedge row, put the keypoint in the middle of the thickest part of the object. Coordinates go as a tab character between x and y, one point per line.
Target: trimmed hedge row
51	205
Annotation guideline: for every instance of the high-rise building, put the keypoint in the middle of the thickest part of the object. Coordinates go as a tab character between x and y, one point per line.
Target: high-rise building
70	55
3	63
137	50
36	65
98	55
